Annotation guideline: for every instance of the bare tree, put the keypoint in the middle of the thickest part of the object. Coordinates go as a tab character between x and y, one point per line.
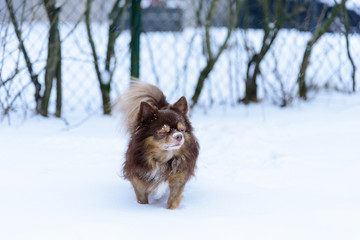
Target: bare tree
271	30
213	57
29	64
321	28
105	77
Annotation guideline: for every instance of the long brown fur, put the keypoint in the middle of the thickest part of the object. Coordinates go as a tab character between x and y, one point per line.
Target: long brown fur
155	126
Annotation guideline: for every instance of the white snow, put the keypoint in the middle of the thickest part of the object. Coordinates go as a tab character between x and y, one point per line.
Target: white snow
350	4
263	173
105	76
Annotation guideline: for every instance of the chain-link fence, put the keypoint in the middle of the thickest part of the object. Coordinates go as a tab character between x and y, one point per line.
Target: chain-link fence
213	52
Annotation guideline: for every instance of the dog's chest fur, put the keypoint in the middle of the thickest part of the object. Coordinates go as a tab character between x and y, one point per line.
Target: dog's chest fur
164	167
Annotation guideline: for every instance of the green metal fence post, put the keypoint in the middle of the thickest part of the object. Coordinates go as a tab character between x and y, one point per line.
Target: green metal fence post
135	38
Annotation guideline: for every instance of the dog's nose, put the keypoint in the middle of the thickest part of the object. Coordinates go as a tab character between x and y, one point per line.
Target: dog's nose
178	137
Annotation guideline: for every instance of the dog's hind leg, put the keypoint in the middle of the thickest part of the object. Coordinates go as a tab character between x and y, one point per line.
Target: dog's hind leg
140	189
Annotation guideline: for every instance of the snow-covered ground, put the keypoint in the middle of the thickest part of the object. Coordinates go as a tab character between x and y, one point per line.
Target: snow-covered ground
263	173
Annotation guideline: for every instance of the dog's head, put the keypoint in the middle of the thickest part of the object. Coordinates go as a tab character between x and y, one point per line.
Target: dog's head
166	128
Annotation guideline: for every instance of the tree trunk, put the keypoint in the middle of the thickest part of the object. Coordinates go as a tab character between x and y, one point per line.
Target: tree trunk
200	84
105	94
302	74
53	63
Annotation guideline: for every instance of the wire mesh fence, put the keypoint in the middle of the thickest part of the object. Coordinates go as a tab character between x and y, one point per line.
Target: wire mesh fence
208	51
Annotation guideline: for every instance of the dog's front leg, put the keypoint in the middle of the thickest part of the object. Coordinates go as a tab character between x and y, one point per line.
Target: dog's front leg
176	185
141	190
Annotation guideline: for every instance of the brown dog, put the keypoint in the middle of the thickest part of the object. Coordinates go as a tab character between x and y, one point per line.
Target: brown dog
162	147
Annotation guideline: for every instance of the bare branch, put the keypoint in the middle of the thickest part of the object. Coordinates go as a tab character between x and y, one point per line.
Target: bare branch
91	40
209	19
346	24
33	76
114	30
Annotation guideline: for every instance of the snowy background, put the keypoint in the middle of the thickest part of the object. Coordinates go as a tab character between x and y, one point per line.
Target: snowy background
173	62
263	173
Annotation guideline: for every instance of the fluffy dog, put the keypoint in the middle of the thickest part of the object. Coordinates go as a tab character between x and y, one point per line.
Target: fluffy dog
162	147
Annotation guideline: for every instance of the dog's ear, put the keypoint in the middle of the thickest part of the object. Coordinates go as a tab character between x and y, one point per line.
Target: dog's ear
146	112
181	106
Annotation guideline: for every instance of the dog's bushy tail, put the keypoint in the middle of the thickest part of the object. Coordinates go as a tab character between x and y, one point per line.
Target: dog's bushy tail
129	102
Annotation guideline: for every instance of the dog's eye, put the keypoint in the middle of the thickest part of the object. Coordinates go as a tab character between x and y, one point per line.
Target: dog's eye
181	127
161	134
